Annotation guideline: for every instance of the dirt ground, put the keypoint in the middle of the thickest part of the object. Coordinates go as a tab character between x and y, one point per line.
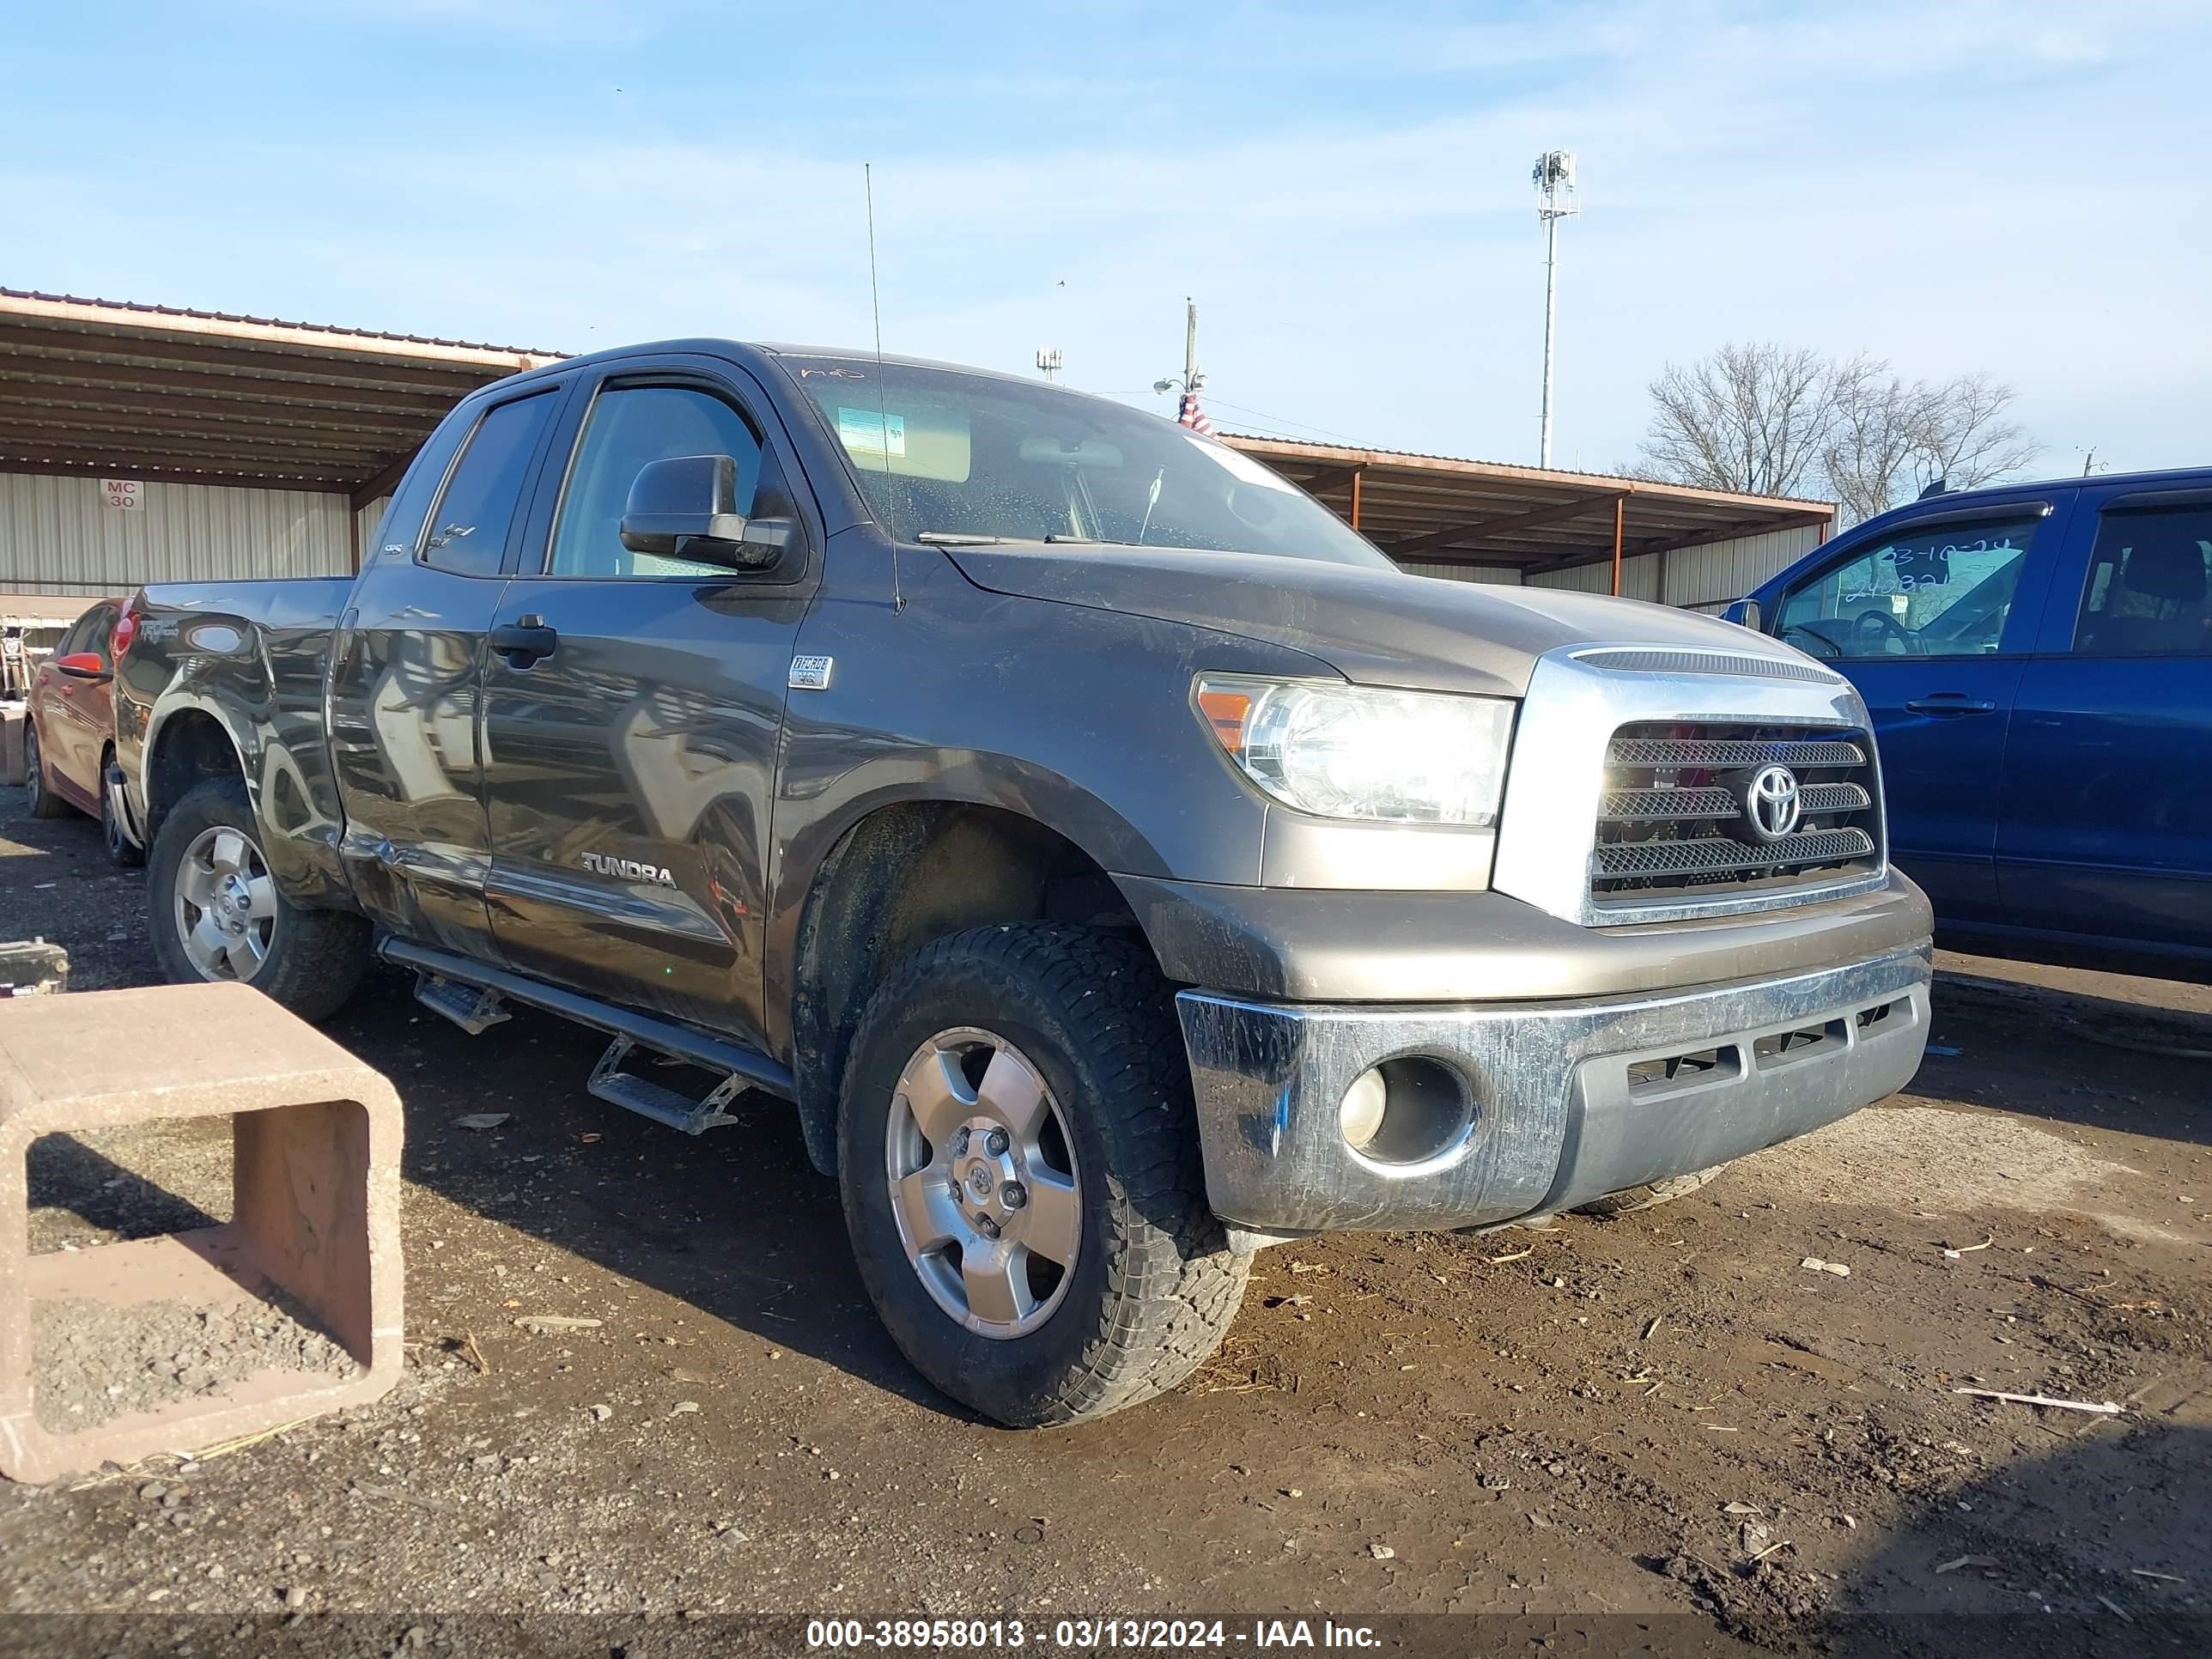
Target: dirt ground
1659	1431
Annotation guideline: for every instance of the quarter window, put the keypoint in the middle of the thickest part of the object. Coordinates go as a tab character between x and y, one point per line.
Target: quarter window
2146	594
628	427
1940	591
468	532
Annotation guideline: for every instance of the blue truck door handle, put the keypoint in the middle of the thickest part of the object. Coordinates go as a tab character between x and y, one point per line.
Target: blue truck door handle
1949	703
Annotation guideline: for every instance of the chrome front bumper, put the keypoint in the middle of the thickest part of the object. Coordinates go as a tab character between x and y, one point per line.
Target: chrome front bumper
1556	1116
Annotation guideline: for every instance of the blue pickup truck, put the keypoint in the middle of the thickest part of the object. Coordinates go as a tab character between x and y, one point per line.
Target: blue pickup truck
2038	660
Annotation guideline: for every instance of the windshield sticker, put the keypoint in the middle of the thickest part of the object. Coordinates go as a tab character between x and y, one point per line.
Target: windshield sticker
868	432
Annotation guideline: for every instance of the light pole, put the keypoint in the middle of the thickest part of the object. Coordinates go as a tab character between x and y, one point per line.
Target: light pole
1191	379
1554	178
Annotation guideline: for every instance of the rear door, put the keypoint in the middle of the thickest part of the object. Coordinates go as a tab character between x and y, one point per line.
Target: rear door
631	753
2106	827
1932	617
406	669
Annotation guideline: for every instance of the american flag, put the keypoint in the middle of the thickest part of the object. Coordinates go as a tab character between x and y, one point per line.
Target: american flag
1192	416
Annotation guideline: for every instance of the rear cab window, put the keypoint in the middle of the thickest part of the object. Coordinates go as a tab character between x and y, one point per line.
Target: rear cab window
2148	591
1929	590
468	532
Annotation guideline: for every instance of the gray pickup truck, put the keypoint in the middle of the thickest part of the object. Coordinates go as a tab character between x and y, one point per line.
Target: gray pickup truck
1118	864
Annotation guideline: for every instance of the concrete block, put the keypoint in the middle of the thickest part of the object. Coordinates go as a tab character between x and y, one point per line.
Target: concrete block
315	1205
32	968
12	716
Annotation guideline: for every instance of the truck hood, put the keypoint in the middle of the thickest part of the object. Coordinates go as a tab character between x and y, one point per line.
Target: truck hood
1374	627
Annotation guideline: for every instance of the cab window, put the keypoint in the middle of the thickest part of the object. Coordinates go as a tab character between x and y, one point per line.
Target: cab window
628	427
468	532
1941	591
2146	595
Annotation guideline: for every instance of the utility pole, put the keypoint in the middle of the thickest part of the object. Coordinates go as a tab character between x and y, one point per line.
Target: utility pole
1554	178
1050	359
1192	379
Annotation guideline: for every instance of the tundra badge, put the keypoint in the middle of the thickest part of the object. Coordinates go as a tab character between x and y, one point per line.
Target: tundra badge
810	673
604	864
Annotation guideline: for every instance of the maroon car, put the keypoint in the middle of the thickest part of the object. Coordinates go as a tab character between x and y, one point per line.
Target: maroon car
69	737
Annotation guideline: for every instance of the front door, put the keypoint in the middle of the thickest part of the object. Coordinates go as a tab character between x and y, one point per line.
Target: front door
407	666
2106	824
632	730
1931	619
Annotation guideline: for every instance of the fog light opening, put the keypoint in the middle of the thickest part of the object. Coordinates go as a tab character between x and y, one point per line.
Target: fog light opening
1404	1111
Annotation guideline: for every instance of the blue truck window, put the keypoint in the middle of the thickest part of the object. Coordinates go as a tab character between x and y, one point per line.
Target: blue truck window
1941	592
2146	595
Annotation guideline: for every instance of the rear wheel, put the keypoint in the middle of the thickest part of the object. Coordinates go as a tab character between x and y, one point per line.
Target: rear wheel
122	851
41	801
1650	1195
215	913
1021	1176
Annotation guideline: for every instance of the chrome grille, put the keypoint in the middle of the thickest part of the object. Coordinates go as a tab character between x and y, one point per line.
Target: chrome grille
1673	818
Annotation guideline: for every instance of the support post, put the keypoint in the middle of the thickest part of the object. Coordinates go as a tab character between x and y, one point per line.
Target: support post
1355	497
1620	512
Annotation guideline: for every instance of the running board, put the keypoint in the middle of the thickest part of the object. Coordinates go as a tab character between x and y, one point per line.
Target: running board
610	1082
472	1007
738	1066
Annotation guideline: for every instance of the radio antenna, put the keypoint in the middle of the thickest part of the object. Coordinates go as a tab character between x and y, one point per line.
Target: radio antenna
883	408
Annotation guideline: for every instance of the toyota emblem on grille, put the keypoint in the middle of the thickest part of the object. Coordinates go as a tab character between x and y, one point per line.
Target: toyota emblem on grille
1772	802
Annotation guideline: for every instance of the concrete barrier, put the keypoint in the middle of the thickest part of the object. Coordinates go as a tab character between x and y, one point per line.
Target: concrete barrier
314	1223
12	716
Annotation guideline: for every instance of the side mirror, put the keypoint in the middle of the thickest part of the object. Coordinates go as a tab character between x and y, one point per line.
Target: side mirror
686	507
83	666
1744	613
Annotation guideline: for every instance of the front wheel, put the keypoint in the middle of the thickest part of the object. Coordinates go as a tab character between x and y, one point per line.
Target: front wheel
215	913
1021	1176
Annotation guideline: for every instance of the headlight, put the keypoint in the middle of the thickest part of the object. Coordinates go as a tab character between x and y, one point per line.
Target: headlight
1355	751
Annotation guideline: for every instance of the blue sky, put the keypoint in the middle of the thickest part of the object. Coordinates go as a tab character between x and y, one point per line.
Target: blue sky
2021	188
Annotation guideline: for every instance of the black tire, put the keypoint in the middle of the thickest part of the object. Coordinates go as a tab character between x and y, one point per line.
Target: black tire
315	958
42	801
1154	1284
1649	1195
121	852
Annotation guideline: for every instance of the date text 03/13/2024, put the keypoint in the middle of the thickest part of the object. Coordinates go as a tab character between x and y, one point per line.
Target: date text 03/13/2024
1087	1635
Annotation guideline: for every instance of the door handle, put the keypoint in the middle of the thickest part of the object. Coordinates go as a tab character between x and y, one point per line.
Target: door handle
524	641
1949	703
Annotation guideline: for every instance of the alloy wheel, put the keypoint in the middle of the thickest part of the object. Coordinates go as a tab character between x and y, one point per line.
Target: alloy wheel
983	1182
225	904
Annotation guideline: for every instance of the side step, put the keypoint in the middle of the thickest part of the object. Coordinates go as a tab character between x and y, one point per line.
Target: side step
469	992
472	1007
663	1105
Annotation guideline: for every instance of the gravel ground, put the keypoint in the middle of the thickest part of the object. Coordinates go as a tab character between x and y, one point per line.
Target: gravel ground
1660	1432
92	1360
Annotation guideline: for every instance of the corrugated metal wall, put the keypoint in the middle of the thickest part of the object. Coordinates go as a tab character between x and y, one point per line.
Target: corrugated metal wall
57	535
1493	574
1698	578
368	521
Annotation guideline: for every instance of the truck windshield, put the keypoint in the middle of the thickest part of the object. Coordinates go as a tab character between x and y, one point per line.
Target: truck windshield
945	456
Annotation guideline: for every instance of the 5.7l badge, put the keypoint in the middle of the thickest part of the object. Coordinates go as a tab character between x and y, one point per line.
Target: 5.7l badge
604	864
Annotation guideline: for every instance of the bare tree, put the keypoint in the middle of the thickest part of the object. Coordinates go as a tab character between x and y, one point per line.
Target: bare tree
1873	446
1891	440
1752	418
1772	420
